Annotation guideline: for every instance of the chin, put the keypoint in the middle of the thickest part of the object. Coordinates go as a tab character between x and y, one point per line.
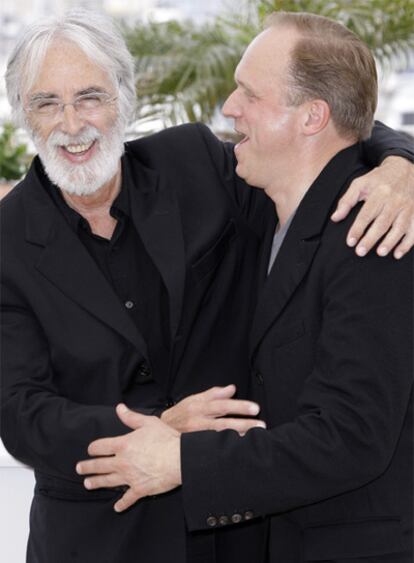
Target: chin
240	172
85	178
82	179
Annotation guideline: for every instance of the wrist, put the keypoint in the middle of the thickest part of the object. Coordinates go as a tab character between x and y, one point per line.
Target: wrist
175	457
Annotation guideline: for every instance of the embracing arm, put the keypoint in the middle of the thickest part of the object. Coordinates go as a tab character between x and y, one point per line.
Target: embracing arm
348	422
388	191
385	142
350	412
39	426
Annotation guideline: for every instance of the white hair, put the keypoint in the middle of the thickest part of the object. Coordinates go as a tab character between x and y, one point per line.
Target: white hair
94	33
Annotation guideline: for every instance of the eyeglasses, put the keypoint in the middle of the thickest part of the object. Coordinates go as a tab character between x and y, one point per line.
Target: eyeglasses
84	105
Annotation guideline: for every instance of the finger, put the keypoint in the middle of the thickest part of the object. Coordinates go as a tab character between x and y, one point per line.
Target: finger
367	214
104	446
399	228
380	226
218	392
405	245
241	425
232	406
128	499
130	418
351	197
103	481
96	466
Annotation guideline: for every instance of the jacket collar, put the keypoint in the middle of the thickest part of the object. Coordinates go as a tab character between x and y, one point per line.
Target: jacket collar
65	262
302	240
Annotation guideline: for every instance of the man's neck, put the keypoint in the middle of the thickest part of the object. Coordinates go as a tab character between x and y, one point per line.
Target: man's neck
95	208
290	186
99	201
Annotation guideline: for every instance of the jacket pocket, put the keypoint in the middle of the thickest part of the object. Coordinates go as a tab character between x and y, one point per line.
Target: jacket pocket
63	489
353	539
215	253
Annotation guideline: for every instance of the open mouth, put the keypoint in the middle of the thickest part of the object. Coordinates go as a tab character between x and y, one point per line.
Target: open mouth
79	152
243	139
78	149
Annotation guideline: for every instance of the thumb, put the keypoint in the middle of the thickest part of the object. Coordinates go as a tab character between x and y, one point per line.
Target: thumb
130	418
351	197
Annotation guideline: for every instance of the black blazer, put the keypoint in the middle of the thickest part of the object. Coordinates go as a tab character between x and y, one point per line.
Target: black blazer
331	358
70	352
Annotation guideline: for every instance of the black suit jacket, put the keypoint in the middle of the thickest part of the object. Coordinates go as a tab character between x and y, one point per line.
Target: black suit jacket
70	352
331	356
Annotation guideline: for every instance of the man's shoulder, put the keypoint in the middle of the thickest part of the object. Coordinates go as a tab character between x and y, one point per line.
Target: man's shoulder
11	204
189	145
173	139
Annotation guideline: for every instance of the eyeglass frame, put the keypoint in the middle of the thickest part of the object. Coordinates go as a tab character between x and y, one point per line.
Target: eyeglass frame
60	105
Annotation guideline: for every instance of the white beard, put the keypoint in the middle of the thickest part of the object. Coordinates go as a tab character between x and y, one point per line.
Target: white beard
85	178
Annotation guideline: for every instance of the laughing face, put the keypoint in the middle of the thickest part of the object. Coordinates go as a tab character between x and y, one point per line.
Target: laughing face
80	150
267	123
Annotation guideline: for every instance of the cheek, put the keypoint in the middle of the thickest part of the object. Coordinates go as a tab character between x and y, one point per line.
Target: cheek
104	123
42	132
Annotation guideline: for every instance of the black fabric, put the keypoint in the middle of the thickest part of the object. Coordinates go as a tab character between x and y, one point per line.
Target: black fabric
127	267
71	350
331	355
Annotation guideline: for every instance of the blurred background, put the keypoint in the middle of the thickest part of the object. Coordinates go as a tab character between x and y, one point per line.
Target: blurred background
185	53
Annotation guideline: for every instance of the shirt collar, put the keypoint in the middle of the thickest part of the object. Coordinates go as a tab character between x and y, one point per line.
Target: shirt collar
120	207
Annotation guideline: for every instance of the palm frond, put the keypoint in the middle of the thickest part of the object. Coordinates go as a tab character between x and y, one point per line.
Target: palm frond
185	71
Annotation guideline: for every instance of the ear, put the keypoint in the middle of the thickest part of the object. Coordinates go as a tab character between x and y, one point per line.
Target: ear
316	116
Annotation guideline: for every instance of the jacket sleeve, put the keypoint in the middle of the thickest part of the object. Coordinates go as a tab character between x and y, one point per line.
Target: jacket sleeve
249	200
38	426
350	411
384	142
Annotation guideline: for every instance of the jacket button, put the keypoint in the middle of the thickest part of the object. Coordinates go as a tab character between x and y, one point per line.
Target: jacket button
129	304
144	373
211	521
223	520
236	518
248	515
259	378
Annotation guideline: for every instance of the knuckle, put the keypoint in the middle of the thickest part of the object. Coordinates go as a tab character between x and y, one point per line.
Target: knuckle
385	189
355	186
221	424
356	231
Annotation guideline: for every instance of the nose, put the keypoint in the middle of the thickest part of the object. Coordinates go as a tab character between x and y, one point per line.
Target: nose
71	122
231	107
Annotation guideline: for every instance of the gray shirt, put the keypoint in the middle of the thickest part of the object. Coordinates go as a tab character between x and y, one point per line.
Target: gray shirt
278	238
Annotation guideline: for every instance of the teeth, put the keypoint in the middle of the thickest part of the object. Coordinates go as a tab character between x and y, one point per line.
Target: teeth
74	149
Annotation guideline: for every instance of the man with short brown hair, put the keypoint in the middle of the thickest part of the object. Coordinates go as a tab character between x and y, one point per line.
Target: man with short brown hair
330	348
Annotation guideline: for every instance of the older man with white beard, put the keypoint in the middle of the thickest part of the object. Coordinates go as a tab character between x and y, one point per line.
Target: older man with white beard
127	273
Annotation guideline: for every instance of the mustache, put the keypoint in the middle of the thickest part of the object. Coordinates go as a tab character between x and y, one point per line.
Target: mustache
84	137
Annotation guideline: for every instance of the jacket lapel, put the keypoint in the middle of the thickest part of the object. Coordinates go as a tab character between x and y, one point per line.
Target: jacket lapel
157	219
302	241
66	263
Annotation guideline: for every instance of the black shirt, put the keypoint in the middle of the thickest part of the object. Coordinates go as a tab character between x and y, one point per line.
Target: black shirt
128	268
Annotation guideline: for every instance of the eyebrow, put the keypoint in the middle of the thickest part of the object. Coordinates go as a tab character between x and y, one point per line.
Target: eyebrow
51	95
91	90
246	87
42	96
